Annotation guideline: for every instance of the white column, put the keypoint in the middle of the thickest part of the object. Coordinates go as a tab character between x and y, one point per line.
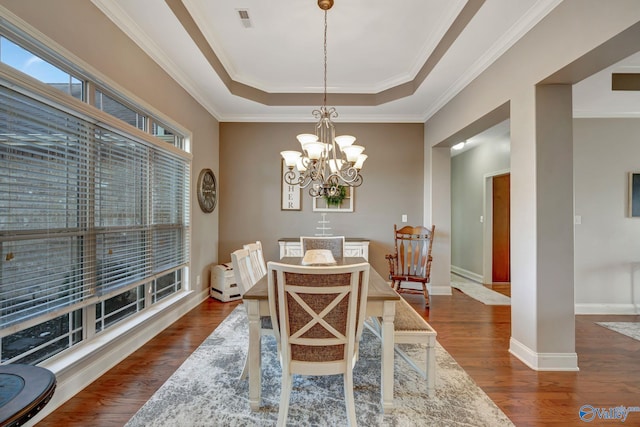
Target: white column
440	202
542	302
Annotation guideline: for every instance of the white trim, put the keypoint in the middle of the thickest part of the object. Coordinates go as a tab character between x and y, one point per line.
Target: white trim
296	117
504	43
440	289
467	274
85	364
598	308
116	14
543	361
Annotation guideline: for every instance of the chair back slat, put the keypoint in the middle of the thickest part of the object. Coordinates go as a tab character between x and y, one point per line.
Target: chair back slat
257	259
242	270
411	260
401	254
413	248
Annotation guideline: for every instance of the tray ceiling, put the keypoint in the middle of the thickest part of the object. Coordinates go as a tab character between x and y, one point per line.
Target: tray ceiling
253	60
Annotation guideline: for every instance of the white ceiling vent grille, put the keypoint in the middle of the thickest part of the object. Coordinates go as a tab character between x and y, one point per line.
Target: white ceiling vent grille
244	18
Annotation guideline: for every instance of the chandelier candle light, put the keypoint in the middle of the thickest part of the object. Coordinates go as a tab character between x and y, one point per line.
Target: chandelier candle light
327	162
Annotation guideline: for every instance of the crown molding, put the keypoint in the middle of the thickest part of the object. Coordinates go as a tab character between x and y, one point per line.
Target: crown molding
133	31
344	119
535	14
540	9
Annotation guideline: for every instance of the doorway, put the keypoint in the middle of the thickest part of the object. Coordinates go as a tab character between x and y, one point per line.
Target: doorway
497	228
501	265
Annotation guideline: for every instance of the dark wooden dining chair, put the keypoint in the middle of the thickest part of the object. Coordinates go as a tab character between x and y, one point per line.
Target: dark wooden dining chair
318	323
411	260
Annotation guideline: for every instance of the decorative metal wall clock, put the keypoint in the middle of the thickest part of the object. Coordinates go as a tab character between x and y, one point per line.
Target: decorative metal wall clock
207	192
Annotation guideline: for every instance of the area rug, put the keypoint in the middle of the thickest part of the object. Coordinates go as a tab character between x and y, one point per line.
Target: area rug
481	293
206	390
630	329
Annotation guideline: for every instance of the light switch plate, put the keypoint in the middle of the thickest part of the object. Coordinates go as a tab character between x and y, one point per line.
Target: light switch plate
404	217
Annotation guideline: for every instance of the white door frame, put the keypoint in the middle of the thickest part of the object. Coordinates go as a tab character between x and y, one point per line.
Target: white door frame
487	225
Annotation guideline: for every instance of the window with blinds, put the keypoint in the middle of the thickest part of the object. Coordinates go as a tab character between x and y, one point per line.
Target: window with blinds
93	213
86	212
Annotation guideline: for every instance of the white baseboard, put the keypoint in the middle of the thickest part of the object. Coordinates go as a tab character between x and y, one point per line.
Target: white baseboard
467	274
439	289
87	363
543	361
582	308
433	289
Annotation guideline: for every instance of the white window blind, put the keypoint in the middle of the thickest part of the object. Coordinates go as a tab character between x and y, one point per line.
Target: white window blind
84	210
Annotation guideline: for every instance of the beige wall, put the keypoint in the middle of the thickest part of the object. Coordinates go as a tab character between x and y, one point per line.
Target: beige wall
250	192
607	270
468	174
84	35
87	34
577	39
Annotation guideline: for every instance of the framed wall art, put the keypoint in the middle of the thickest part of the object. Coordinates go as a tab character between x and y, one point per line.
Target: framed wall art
290	195
342	202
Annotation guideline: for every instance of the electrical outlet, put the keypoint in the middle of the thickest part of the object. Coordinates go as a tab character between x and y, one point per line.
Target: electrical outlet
404	217
198	280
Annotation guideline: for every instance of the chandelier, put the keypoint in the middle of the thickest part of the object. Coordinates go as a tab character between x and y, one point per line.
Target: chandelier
327	162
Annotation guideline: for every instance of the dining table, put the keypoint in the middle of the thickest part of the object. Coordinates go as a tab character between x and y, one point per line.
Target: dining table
381	303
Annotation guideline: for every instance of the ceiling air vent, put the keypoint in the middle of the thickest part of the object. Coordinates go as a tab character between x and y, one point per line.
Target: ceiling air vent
244	18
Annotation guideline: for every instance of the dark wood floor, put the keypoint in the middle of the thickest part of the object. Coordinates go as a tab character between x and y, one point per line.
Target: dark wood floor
476	335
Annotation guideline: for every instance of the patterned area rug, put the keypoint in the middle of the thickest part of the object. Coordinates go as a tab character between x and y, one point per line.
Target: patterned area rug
206	390
482	293
630	329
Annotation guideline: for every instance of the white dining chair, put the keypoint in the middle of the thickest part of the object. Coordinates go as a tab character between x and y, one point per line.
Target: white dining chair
243	270
246	279
257	259
315	308
333	243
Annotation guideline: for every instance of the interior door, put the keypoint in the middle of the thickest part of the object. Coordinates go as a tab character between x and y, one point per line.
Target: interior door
501	229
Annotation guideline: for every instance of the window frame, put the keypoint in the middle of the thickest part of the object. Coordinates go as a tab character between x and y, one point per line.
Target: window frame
31	87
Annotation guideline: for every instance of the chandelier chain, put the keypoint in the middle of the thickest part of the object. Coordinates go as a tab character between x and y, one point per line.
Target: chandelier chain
324	103
328	162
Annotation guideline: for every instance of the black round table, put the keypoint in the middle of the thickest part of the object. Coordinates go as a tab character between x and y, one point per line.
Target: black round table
24	391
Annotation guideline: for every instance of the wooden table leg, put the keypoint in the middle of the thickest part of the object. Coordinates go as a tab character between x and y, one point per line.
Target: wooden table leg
254	353
389	313
431	366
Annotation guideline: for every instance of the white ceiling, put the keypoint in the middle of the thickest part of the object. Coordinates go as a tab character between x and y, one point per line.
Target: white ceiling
373	46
